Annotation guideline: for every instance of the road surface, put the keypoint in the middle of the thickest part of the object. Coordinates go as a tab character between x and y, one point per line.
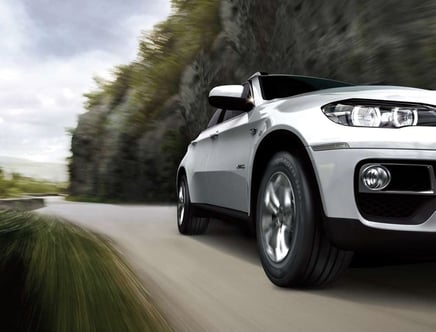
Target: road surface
215	282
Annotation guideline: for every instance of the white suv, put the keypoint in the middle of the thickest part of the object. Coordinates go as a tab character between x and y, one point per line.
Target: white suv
320	167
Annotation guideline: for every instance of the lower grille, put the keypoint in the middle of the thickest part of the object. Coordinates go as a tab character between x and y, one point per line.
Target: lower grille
386	205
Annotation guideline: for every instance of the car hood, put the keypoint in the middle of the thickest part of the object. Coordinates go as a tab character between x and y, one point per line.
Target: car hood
391	93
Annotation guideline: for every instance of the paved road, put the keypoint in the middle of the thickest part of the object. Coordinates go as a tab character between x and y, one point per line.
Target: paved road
215	282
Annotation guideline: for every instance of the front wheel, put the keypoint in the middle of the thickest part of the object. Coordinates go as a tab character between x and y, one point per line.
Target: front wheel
293	247
187	223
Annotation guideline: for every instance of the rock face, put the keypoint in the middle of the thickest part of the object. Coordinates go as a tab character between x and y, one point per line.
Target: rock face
371	41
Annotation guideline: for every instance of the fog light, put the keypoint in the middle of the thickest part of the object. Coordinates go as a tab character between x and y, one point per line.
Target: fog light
375	177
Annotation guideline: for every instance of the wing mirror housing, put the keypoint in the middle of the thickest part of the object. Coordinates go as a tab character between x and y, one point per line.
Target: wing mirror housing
231	97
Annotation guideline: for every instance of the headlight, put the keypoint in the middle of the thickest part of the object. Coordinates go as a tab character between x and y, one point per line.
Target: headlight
368	113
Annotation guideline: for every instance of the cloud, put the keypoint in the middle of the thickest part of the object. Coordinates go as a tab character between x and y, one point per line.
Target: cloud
65	28
51	50
13	29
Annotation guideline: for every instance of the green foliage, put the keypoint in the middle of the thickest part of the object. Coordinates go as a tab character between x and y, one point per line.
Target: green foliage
137	165
163	54
96	97
56	276
92	199
16	185
173	149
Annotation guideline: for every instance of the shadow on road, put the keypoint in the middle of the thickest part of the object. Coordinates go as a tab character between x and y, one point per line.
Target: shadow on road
392	281
231	238
393	286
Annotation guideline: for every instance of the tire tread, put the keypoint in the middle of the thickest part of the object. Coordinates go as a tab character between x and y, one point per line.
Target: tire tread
192	225
197	225
329	263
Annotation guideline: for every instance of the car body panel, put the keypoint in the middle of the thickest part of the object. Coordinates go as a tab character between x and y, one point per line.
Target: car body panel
334	149
335	173
228	177
196	165
299	111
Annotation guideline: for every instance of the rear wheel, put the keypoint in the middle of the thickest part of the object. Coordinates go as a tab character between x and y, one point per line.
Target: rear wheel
187	223
293	247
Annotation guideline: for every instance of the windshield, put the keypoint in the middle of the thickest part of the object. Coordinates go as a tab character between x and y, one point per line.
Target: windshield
281	86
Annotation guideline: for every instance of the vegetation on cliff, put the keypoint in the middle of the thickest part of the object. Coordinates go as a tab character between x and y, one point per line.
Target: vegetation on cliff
127	146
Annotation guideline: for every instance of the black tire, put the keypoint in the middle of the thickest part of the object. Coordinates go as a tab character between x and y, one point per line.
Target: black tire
304	257
187	222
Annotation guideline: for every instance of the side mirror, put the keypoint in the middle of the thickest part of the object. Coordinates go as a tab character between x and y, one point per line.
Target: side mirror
230	97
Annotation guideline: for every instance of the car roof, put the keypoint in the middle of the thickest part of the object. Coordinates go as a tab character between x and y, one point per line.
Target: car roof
264	74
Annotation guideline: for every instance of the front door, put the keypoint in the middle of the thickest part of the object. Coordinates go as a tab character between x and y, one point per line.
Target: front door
228	172
200	151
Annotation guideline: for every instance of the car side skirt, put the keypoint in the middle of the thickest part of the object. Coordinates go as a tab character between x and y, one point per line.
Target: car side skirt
213	211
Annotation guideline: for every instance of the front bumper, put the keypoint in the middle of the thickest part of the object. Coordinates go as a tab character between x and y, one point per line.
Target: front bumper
353	235
335	171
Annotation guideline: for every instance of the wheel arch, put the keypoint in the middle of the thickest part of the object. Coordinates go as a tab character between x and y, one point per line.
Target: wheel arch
276	141
180	172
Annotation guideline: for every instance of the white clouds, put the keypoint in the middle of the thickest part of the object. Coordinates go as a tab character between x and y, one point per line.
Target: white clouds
65	28
13	29
8	75
68	94
41	89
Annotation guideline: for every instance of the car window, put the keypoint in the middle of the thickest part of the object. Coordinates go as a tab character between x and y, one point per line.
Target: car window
231	114
280	86
215	118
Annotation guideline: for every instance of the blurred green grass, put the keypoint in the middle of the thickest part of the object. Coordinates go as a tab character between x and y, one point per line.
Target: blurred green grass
92	199
15	185
57	276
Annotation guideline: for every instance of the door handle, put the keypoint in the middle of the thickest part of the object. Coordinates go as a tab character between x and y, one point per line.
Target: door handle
215	135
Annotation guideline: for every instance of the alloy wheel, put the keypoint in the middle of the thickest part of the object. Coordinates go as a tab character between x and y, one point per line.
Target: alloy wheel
278	213
181	204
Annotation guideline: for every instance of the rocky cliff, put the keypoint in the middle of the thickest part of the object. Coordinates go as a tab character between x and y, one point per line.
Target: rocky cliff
127	146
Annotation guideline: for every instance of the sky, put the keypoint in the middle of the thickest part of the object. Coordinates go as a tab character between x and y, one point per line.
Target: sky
50	50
